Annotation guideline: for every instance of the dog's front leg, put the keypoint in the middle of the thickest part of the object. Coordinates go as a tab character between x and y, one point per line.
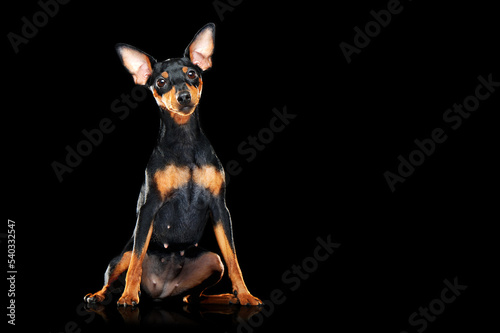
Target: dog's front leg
142	236
224	235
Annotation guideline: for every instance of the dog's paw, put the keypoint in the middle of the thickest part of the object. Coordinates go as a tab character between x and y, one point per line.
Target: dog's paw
248	300
128	300
97	297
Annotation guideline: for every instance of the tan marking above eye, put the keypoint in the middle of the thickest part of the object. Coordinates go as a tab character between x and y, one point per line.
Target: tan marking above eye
165	75
184	69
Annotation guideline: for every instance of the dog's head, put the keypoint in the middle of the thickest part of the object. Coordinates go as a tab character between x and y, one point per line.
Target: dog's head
176	83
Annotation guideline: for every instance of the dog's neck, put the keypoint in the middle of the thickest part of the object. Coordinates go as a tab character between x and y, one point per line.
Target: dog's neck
172	133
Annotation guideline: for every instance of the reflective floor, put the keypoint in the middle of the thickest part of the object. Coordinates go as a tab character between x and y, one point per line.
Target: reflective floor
173	315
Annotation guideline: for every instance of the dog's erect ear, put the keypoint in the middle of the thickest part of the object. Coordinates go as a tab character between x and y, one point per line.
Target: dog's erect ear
201	48
138	63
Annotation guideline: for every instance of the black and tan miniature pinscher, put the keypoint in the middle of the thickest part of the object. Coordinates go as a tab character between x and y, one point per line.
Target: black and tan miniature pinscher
184	187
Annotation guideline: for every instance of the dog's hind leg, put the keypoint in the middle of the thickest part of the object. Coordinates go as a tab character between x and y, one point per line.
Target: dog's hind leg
116	267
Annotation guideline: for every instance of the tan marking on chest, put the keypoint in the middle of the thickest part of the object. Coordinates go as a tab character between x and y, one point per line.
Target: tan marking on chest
209	177
171	178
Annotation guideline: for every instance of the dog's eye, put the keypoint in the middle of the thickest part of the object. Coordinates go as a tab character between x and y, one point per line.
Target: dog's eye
161	82
191	74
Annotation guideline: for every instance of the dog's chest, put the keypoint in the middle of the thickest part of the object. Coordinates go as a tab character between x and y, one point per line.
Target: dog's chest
171	178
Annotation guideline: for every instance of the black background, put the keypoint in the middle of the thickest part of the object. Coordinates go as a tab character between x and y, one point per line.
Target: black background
322	175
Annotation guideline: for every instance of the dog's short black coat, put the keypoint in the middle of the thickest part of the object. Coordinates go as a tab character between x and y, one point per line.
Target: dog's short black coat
184	188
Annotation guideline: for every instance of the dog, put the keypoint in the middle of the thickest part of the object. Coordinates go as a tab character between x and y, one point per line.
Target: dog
184	187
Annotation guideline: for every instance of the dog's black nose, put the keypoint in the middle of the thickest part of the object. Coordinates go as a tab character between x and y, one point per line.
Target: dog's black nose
184	98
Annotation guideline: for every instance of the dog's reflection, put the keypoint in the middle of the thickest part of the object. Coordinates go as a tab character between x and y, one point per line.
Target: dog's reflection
164	314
